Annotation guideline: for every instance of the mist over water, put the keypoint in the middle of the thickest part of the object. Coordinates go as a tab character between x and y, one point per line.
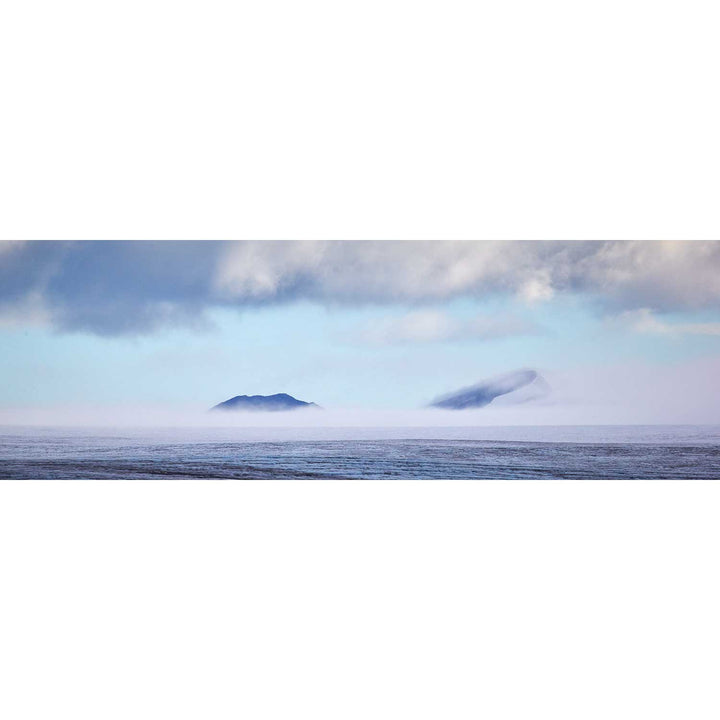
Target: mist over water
496	414
631	395
369	453
534	440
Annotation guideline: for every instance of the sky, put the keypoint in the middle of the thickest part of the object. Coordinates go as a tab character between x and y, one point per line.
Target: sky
623	332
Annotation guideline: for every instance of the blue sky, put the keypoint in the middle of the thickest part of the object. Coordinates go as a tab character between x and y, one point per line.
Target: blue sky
329	343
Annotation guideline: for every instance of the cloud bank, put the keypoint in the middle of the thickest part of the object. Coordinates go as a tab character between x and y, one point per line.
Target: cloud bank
117	288
643	320
426	326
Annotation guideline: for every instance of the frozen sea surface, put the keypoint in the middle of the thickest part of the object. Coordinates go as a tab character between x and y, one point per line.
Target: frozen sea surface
599	452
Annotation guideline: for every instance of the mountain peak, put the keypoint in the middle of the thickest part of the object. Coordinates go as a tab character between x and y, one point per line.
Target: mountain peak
264	403
485	392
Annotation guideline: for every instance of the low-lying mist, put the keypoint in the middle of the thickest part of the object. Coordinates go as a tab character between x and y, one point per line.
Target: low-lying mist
632	393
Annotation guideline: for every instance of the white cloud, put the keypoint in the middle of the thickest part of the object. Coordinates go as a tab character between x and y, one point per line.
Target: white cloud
30	310
537	290
434	326
247	269
644	320
662	275
125	288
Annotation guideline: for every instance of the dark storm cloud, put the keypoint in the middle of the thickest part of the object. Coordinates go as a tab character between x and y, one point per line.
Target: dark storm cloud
116	288
112	288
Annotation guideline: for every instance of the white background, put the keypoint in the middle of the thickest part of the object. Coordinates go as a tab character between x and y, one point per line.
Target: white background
372	119
359	600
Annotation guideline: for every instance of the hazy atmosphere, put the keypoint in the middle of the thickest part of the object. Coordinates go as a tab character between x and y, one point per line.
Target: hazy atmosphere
372	332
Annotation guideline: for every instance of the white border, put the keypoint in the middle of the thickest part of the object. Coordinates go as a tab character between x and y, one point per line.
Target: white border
355	600
391	119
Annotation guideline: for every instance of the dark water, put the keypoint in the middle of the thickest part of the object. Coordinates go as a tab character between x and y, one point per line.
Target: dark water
607	452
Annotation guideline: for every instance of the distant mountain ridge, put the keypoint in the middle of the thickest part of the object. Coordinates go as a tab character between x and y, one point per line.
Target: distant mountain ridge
263	403
484	393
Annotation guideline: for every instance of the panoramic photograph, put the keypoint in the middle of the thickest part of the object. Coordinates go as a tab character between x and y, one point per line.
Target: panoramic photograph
377	360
